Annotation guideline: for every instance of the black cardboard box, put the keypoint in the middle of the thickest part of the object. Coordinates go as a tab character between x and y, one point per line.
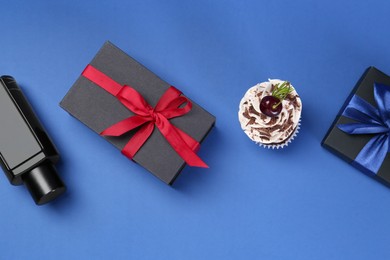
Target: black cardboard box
348	146
98	110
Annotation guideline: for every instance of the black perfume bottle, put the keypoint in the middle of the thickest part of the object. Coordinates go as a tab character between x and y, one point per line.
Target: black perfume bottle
27	154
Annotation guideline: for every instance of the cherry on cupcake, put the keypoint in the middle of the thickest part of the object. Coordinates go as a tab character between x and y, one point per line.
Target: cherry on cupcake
272	105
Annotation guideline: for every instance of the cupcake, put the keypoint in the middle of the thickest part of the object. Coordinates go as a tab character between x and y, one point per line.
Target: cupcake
270	113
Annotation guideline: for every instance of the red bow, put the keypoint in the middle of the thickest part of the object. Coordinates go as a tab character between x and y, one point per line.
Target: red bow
146	117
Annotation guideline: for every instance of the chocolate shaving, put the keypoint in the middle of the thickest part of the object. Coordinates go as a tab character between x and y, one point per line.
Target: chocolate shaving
265	138
246	114
252	120
253	111
263	135
273	120
290	97
273	128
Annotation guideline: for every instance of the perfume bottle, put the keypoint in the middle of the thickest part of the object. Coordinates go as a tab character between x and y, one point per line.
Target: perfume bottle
27	154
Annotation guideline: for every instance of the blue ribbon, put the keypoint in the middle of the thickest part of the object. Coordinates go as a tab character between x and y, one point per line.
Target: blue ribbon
370	120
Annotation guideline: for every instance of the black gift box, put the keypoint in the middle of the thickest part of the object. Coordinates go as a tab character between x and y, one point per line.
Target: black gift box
348	146
98	109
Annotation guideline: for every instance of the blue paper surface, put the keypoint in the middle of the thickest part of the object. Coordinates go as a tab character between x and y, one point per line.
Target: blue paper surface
301	202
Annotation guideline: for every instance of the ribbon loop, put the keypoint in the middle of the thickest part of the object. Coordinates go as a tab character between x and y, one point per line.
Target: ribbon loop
360	110
370	120
171	104
133	101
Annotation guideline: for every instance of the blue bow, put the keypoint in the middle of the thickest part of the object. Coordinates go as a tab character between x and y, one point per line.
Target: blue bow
370	120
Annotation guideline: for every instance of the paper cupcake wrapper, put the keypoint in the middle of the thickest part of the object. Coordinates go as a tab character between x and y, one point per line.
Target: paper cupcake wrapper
285	143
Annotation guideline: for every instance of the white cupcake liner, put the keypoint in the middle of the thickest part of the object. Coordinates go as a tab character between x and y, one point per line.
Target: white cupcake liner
285	143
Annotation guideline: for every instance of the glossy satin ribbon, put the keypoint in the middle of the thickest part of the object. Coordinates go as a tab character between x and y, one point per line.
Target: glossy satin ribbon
171	104
370	120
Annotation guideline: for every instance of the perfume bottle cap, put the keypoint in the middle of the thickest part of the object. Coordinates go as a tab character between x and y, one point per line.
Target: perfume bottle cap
43	183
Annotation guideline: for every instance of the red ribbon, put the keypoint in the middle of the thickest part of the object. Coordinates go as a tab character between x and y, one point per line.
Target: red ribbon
147	117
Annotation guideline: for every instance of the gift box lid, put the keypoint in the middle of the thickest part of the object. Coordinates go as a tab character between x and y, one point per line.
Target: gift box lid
98	110
348	146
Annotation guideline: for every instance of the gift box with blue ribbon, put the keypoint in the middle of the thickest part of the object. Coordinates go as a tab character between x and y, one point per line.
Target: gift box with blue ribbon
360	133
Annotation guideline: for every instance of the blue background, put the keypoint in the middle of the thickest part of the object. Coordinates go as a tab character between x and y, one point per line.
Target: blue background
301	202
